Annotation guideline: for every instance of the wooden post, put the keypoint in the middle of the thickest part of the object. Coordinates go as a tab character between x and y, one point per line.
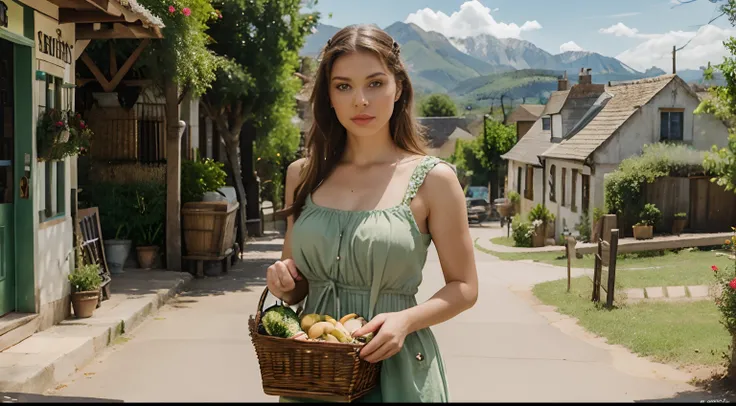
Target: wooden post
613	252
173	177
597	270
570	248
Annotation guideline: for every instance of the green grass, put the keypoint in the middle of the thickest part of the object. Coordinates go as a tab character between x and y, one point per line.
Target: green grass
686	333
637	270
505	241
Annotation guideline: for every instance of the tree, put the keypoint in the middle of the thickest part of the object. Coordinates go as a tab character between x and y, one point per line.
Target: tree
259	41
482	156
438	105
722	162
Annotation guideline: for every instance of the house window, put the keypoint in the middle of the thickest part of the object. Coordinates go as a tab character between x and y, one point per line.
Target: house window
552	184
57	96
546	123
518	181
574	196
671	125
586	193
564	186
529	185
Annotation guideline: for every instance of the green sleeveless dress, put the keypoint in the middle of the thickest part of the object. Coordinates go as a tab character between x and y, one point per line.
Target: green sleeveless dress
370	262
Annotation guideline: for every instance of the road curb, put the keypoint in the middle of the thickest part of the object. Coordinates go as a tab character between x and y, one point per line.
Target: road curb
49	357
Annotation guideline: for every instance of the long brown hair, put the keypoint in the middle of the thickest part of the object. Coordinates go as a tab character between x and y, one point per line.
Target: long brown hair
327	137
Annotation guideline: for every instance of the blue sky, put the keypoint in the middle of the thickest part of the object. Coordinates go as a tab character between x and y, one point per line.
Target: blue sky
639	32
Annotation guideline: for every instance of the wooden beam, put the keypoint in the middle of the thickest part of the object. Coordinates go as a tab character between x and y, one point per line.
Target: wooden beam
109	86
628	245
119	31
113	60
100	4
132	83
79	47
67	15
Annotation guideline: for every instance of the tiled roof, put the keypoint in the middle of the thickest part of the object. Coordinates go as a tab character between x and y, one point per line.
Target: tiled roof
530	146
626	100
526	112
439	129
555	102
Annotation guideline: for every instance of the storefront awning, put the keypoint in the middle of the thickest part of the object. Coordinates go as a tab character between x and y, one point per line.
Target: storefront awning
109	19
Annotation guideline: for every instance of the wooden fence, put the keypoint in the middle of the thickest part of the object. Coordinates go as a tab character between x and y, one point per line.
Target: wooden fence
710	207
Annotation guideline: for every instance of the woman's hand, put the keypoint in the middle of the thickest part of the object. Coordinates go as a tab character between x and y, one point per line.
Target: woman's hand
392	330
281	278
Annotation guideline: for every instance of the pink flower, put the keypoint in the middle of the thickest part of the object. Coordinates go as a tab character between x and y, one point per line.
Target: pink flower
59	123
82	125
172	9
714	268
732	284
186	11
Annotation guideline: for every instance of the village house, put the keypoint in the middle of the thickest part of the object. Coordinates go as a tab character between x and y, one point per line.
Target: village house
40	41
598	128
442	134
524	116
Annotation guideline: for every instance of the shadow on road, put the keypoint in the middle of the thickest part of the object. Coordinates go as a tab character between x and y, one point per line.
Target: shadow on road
13	397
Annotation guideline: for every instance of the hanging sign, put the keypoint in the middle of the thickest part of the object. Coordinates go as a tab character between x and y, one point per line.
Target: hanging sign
55	46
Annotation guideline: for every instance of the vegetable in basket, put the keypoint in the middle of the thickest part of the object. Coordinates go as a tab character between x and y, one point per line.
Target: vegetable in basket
281	321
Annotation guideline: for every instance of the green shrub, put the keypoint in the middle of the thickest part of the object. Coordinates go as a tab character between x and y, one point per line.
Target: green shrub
200	176
542	213
650	215
521	232
514	197
623	187
597	214
85	278
681	215
583	228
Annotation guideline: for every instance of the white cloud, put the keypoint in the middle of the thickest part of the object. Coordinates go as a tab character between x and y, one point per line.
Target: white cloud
622	15
472	19
570	46
620	30
705	45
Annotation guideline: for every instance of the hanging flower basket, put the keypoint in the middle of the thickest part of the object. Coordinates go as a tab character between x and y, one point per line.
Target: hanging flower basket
60	134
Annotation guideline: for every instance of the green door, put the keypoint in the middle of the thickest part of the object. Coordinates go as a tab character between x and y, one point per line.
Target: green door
7	135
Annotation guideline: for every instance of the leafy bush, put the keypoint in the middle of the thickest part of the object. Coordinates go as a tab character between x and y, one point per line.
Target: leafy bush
200	176
542	213
726	288
85	278
522	232
127	211
597	214
583	228
623	187
514	197
650	215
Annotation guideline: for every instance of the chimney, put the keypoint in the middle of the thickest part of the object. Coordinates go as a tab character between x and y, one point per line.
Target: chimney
585	78
562	83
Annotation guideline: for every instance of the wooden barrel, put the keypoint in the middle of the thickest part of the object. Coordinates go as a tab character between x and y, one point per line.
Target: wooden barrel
209	227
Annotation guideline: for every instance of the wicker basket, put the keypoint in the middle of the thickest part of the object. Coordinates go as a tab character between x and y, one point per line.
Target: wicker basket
323	371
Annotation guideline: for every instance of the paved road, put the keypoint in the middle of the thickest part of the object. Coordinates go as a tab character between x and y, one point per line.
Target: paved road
198	349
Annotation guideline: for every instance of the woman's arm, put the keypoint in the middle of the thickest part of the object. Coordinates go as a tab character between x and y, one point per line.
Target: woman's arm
301	285
448	223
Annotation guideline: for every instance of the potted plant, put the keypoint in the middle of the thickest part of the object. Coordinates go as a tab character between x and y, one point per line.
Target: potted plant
678	224
118	249
648	218
149	222
85	282
540	217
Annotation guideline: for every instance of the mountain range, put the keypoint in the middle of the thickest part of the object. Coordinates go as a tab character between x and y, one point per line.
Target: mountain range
464	67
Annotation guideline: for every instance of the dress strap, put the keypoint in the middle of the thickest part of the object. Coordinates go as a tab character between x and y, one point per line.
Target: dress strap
417	178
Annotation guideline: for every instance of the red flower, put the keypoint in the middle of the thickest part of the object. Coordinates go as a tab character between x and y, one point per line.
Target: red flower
59	123
714	268
186	11
732	284
82	126
172	9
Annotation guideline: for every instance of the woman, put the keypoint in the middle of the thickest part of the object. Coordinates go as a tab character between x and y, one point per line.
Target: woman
362	207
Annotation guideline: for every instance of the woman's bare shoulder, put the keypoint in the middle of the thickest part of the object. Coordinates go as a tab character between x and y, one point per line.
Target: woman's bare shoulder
441	186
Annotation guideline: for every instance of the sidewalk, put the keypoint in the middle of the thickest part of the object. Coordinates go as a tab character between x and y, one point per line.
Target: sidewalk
50	356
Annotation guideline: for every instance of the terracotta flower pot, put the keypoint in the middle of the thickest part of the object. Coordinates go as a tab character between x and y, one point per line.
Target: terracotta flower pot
643	232
85	303
678	225
539	236
147	256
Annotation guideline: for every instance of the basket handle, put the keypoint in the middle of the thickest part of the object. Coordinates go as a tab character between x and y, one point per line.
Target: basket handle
261	301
